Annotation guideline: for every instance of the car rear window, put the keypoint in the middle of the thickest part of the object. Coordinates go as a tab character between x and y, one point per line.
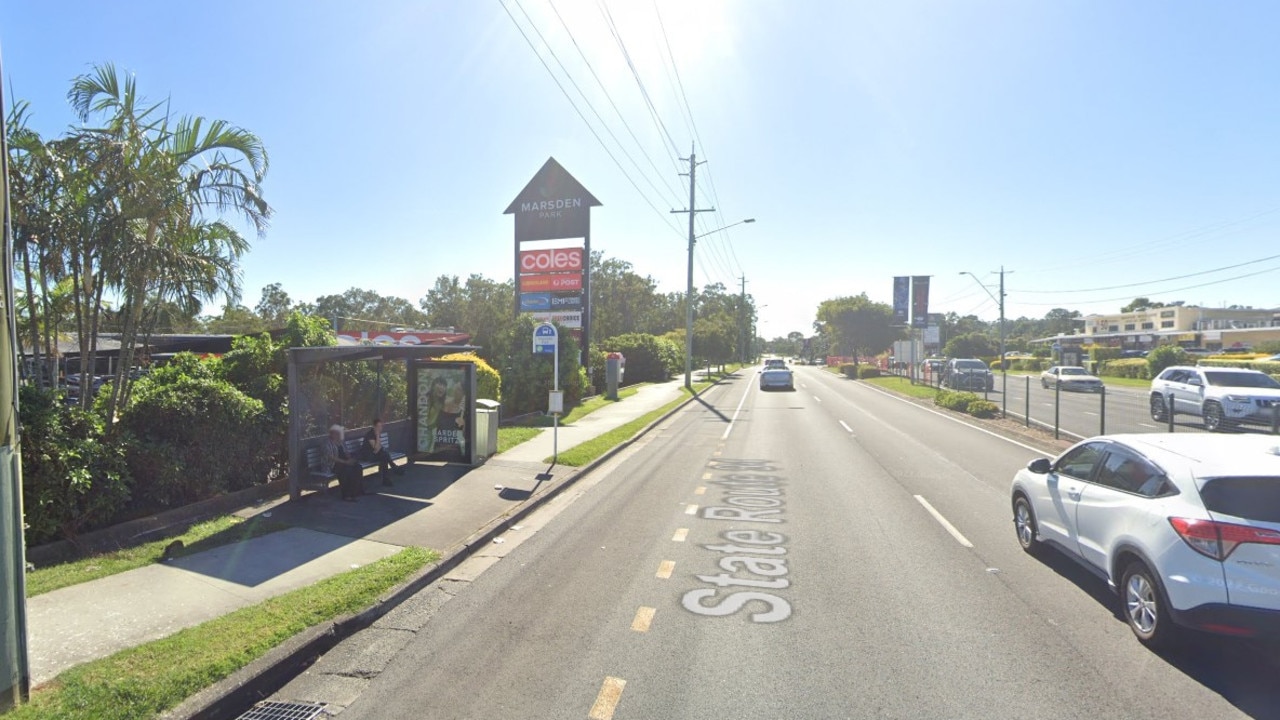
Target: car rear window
1251	498
971	365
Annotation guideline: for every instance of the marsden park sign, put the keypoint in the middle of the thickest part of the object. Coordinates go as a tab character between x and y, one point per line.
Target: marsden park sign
554	276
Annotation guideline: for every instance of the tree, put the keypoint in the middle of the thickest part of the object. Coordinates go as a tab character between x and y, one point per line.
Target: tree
715	338
235	320
275	305
480	307
1060	321
972	345
1141	304
855	325
357	308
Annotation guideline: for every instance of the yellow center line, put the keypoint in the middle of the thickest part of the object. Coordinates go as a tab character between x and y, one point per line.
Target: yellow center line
700	491
665	569
680	535
607	700
692	509
644	618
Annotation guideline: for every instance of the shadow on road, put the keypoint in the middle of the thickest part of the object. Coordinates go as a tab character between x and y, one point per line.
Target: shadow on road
1243	672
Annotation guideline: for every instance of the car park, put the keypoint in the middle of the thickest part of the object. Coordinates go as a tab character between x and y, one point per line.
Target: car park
777	378
968	374
1184	527
1070	377
1222	397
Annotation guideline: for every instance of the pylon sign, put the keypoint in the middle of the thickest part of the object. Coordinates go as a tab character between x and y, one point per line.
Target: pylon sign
554	206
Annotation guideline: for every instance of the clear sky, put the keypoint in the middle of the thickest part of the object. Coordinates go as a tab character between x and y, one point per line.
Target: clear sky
1093	148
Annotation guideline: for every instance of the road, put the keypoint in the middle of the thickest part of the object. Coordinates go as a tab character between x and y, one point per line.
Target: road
834	552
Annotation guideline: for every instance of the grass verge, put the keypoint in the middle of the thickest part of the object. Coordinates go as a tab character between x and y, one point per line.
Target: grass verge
511	436
903	386
584	453
201	536
146	680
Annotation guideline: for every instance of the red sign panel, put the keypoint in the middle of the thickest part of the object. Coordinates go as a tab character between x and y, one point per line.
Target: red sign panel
544	283
551	260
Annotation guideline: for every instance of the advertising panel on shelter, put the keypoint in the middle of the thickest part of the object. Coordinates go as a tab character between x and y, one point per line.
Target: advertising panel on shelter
444	395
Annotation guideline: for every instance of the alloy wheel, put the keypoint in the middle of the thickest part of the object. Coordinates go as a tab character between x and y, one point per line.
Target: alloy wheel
1142	604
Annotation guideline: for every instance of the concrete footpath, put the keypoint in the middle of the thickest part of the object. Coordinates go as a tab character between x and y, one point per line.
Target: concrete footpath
433	506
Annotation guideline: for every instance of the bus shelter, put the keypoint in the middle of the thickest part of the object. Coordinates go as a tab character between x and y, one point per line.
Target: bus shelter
427	406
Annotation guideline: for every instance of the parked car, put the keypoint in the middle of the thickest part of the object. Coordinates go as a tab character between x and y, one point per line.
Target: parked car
968	374
1070	377
1185	527
1221	397
777	378
932	368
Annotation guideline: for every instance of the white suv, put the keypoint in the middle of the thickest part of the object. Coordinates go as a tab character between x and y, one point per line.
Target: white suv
1222	397
1186	527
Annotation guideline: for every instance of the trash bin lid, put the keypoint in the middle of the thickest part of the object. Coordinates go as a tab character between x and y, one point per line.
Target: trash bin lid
488	404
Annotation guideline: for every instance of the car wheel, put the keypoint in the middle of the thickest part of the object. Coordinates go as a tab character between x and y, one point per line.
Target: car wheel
1213	420
1146	608
1044	383
1159	410
1024	522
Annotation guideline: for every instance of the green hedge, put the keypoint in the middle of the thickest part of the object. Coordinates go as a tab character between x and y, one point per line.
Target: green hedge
953	400
1271	368
1030	365
1136	368
849	370
983	409
649	358
1102	354
868	371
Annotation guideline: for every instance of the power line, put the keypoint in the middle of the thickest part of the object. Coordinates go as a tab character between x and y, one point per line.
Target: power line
1169	292
1153	282
583	117
653	111
608	96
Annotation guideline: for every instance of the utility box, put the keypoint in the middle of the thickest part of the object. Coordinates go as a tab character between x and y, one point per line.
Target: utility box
614	367
488	415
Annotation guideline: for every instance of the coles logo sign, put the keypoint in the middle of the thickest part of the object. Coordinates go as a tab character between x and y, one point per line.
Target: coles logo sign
552	260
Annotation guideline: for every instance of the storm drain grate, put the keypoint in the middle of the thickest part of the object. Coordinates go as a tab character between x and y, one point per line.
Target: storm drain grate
273	710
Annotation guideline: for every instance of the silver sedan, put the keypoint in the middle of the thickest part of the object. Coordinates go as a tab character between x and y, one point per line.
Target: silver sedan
777	378
1070	377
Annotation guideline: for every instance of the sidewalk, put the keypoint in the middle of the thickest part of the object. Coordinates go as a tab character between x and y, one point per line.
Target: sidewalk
431	506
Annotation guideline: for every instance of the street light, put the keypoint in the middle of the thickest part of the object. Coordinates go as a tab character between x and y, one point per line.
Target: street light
999	301
688	298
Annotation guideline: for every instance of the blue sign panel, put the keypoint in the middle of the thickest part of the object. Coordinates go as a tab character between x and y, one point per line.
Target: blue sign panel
545	338
535	302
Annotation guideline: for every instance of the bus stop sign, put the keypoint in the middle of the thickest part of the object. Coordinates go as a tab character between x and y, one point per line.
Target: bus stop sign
544	339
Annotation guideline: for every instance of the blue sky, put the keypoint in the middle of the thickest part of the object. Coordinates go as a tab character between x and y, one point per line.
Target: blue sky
1090	147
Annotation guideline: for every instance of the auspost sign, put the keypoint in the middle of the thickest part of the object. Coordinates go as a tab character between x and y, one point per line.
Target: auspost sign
550	282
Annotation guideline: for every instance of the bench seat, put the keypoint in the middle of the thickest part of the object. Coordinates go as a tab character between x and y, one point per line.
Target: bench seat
352	445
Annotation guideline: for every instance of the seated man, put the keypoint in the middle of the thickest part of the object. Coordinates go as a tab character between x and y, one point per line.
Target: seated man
335	459
371	450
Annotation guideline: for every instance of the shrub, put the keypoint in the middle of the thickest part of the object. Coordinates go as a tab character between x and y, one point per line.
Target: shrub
1165	356
526	378
488	381
195	436
1099	353
849	370
1137	368
982	408
1029	365
649	358
958	401
74	478
868	371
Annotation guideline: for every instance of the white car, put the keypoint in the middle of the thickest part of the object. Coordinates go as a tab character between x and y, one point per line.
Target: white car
1185	527
1070	377
1222	397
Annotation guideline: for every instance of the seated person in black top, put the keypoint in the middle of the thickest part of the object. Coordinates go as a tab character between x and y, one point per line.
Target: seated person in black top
371	450
335	460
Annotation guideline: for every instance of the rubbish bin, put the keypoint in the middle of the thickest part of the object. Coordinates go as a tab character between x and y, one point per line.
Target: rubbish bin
487	417
615	366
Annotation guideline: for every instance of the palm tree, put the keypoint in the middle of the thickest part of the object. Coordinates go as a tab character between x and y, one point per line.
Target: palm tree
170	177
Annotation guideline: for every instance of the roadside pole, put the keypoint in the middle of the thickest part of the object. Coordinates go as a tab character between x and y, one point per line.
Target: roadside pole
546	340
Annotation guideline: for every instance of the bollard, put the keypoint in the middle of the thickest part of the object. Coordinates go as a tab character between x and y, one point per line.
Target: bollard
1275	417
1102	411
1057	407
1170	413
1004	392
1027	396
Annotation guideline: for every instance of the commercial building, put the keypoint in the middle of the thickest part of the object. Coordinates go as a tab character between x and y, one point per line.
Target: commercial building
1188	326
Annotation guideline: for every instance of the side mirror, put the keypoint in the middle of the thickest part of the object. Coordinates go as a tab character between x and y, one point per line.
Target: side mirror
1040	466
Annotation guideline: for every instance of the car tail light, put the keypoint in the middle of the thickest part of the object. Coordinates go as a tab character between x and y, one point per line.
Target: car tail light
1218	539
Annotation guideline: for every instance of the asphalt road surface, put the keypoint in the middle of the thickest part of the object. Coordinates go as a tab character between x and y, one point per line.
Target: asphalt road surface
833	552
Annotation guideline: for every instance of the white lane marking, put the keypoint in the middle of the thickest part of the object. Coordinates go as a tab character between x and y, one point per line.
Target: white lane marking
815	397
804	385
964	541
734	419
1086	412
1146	425
846	427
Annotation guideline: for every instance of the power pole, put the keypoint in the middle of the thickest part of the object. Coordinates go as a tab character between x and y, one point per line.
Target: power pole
688	294
742	321
1004	373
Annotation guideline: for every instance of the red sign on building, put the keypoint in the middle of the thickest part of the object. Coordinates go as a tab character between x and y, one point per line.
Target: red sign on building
552	283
